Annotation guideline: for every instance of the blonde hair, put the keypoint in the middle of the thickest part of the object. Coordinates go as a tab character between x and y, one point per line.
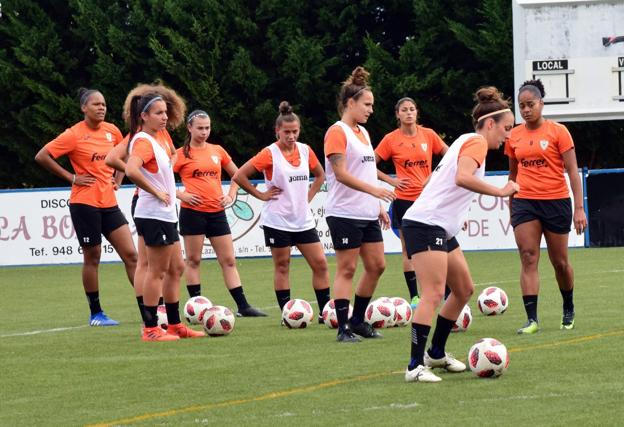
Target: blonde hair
176	107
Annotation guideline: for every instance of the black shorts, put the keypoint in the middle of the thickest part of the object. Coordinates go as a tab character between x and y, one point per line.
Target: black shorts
275	238
211	224
554	215
91	222
347	233
156	232
421	237
399	207
135	199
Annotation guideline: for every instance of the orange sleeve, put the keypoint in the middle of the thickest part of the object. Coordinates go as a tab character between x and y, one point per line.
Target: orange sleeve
312	159
564	139
142	148
509	152
180	160
436	142
384	150
263	160
225	158
475	148
118	136
62	144
335	141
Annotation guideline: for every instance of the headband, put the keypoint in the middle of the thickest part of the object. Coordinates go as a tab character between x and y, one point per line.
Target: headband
85	96
196	114
150	102
493	113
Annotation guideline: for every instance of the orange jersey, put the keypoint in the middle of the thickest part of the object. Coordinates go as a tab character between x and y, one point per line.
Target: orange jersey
201	175
411	156
263	161
87	148
142	148
540	161
336	140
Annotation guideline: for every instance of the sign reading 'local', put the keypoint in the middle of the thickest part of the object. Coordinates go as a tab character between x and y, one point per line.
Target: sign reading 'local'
550	65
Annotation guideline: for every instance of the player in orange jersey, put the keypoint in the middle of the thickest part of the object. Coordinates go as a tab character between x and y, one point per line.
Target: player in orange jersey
150	167
93	205
286	218
353	210
539	150
411	148
202	213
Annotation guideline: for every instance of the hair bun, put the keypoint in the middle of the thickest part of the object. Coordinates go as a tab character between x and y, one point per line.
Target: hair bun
359	76
538	84
487	95
285	108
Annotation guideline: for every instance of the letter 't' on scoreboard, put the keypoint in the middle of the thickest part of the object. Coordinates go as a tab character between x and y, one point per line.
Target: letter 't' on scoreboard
574	48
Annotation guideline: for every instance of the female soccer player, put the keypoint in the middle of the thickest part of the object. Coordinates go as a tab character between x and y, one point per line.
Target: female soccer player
150	168
117	157
430	226
353	210
411	148
202	213
93	205
538	151
286	218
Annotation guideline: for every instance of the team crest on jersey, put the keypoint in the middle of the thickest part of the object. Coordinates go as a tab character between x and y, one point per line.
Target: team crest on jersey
109	136
215	159
543	144
424	147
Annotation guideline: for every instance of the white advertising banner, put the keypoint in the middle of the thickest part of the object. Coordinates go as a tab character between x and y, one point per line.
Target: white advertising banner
36	228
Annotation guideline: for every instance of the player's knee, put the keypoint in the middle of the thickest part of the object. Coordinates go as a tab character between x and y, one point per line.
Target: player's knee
561	266
529	257
192	262
283	267
227	262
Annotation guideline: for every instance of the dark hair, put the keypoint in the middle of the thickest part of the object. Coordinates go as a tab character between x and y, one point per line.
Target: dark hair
355	85
536	87
84	94
489	100
137	105
286	114
176	108
401	101
186	148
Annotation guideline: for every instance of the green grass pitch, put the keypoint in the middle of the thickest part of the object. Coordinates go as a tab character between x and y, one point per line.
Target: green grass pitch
58	371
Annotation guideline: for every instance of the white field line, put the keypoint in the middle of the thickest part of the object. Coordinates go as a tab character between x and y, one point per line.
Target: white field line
43	331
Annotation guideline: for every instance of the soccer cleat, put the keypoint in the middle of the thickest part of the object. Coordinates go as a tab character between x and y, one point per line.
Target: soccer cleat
347	336
530	327
183	331
364	330
101	319
421	374
415	302
320	320
567	320
447	362
157	334
250	311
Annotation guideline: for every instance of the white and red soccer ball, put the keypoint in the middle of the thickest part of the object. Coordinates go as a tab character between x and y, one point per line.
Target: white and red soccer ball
194	309
463	321
161	316
297	313
380	313
403	311
329	314
218	320
488	357
492	301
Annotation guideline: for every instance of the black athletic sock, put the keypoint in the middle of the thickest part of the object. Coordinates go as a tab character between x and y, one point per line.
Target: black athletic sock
173	312
93	298
342	312
283	296
568	299
194	290
359	309
530	306
141	307
322	297
161	301
150	316
419	341
447	291
239	297
440	335
410	280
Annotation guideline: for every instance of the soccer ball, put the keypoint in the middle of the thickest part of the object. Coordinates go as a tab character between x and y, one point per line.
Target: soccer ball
380	313
194	309
161	316
488	358
403	311
218	321
492	301
297	314
329	314
463	321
